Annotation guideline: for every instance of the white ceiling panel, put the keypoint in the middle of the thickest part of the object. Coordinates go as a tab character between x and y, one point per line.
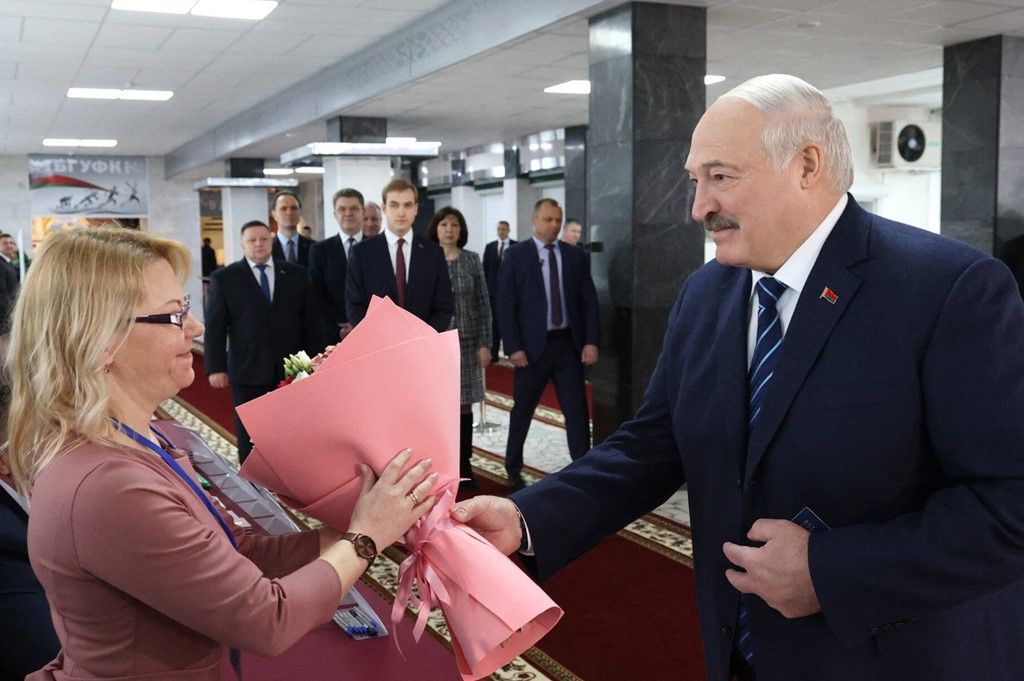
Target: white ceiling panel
10	29
1007	22
950	12
52	9
200	40
64	31
132	35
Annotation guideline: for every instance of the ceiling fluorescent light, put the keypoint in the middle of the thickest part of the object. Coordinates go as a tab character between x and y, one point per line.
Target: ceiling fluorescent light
73	142
159	6
310	170
109	93
147	95
711	80
253	10
277	171
570	87
93	93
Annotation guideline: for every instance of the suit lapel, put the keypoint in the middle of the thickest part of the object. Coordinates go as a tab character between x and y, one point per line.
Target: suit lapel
731	374
384	253
248	279
418	254
812	323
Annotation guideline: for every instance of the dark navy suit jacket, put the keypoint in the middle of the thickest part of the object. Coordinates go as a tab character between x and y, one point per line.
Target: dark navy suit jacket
491	266
428	289
26	629
327	273
260	335
523	305
301	256
896	414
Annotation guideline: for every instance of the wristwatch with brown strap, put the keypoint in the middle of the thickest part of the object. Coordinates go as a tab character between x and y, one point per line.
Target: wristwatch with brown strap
364	545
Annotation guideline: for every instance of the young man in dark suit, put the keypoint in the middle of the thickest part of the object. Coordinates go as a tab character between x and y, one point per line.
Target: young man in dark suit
547	313
844	397
259	310
328	263
400	265
289	246
494	253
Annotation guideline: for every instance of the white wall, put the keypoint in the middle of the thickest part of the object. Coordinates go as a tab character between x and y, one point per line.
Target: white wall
912	197
15	211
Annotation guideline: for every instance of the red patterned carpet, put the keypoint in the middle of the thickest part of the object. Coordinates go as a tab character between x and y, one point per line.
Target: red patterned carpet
630	611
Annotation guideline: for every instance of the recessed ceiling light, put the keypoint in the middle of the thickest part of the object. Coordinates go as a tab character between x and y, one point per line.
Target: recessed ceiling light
161	6
310	170
711	80
253	10
570	87
74	142
108	93
277	171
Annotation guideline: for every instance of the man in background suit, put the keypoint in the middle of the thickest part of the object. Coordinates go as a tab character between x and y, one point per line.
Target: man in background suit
328	263
494	253
572	233
10	281
289	246
547	313
258	312
834	368
209	257
26	630
371	220
400	265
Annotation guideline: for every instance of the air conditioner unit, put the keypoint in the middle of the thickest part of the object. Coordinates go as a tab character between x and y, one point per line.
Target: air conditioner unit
907	145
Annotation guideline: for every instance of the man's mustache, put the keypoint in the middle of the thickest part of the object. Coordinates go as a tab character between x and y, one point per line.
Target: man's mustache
715	222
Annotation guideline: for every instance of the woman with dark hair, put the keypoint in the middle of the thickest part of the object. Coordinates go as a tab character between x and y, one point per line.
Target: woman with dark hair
472	318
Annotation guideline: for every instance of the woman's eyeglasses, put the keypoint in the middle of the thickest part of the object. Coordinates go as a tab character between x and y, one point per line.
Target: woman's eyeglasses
177	317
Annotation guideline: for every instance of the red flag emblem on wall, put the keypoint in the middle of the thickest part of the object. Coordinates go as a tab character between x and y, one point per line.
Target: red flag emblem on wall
829	295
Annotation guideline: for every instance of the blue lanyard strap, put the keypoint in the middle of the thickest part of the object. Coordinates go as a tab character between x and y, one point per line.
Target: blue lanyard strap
169	460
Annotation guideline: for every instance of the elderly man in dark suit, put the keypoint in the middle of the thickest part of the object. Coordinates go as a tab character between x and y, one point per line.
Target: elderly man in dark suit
259	310
547	313
328	263
844	397
289	246
400	265
494	254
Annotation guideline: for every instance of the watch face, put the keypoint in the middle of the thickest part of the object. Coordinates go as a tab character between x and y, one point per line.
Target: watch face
365	547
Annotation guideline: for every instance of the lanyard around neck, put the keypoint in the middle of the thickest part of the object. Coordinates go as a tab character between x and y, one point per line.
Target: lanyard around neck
176	467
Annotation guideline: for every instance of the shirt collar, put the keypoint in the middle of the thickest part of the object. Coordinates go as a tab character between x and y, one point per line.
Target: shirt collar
253	264
797	268
285	239
541	246
393	238
358	236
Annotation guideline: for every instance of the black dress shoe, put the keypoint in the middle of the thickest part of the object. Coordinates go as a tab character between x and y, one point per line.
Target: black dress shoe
516	482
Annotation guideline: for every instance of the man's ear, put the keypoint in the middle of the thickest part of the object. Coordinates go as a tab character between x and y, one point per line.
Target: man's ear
812	169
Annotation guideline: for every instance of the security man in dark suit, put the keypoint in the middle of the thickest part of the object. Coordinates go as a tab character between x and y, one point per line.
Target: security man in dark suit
289	246
259	311
400	265
547	312
494	253
328	263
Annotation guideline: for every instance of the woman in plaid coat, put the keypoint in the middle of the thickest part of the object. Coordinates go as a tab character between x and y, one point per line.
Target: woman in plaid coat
472	318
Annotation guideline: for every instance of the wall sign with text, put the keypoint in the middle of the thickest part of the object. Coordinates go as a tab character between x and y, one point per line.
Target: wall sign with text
90	186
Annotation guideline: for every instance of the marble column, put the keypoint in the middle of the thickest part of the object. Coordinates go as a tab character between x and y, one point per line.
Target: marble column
983	142
576	175
519	196
647	65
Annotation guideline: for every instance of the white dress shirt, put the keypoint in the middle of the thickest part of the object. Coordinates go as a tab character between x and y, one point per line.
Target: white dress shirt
358	236
269	270
284	244
542	253
793	274
393	250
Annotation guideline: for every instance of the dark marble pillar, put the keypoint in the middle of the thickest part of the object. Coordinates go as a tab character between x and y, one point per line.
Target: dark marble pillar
576	175
357	129
983	143
647	65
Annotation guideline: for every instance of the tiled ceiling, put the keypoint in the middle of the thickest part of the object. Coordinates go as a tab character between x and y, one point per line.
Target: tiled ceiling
221	67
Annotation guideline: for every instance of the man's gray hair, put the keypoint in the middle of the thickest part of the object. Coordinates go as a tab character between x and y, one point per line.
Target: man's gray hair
798	113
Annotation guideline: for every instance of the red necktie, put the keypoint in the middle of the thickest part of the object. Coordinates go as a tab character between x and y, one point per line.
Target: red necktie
400	273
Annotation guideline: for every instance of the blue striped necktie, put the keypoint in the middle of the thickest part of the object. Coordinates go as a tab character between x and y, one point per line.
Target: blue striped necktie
762	368
264	282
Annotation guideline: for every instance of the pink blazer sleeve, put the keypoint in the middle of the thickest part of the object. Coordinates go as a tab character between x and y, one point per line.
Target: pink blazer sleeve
150	537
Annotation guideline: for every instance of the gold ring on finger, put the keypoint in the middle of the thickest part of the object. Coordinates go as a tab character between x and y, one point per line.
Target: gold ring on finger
415	498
